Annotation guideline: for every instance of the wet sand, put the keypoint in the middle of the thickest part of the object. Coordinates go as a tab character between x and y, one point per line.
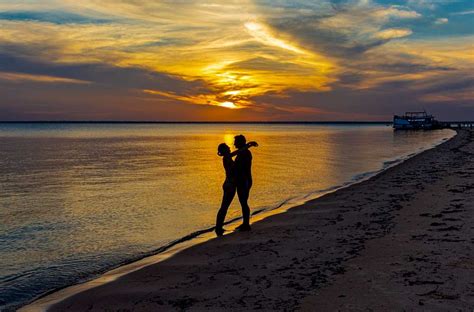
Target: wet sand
401	240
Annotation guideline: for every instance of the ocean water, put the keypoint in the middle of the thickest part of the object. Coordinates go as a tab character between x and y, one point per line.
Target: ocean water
79	199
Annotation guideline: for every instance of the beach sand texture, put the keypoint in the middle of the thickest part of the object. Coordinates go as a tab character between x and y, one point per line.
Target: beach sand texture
402	240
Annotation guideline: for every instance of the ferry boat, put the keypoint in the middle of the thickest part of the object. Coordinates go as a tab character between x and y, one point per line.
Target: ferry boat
415	121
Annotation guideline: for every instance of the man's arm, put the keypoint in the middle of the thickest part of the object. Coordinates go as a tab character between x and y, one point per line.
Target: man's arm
246	147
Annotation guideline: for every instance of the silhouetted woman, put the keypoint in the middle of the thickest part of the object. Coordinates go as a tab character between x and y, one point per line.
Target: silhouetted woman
229	185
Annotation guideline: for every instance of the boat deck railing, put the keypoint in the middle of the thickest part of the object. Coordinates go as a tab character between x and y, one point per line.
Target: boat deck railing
459	124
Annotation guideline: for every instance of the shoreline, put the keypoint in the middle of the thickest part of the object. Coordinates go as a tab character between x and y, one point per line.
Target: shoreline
176	249
424	261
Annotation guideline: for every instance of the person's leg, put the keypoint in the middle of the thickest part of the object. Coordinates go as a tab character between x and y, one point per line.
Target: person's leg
229	193
243	191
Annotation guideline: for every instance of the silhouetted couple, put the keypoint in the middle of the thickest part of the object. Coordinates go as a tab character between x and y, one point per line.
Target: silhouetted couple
238	178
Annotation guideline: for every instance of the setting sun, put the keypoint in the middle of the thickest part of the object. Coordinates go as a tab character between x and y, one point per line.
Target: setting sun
228	105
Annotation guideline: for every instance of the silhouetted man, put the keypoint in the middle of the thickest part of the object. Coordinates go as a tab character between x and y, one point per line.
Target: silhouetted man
243	179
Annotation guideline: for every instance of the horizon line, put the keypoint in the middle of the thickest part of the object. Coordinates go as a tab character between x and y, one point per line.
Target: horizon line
192	122
207	122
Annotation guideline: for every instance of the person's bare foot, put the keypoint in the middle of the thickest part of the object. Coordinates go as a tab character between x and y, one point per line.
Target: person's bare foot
219	231
243	228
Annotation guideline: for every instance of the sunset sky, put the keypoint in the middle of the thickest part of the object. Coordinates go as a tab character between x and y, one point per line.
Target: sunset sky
235	60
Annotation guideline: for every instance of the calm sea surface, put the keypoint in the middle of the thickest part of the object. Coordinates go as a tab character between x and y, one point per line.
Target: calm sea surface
78	199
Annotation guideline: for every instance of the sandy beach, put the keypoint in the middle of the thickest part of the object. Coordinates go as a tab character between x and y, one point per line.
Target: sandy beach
401	240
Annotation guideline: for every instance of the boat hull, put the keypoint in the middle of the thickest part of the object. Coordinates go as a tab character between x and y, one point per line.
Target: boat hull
415	121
